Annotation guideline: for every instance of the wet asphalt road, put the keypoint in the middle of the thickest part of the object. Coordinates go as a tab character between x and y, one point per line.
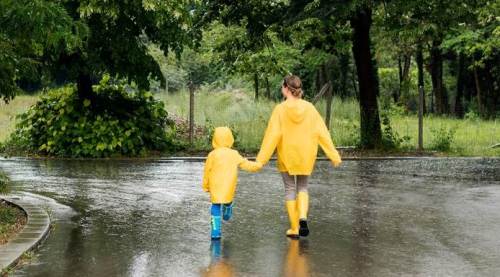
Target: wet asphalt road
428	217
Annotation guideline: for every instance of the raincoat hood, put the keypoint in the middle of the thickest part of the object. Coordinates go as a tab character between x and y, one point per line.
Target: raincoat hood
223	137
221	167
295	110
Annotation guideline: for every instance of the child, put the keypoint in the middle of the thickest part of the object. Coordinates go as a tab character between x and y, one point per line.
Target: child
220	176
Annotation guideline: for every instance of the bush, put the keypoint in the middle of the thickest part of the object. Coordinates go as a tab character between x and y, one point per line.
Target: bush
121	121
4	183
442	138
390	138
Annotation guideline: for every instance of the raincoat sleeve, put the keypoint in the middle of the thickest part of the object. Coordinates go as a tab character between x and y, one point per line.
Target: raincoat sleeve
206	173
325	141
249	165
271	138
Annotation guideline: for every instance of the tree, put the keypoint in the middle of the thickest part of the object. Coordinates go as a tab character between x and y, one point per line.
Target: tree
33	35
119	34
359	16
259	16
371	135
477	43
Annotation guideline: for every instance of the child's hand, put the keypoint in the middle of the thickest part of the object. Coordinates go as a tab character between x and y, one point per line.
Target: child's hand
258	166
251	166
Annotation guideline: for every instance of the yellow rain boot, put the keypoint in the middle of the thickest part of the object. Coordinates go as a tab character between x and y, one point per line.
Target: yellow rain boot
303	207
293	232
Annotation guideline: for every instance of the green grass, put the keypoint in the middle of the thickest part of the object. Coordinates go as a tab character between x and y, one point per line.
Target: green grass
4	183
472	137
9	111
11	220
248	120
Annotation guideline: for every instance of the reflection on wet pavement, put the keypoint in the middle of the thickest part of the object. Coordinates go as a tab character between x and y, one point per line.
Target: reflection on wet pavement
368	218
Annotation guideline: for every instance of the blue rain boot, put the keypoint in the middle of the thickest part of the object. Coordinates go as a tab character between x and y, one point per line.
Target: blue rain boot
227	211
215	250
216	221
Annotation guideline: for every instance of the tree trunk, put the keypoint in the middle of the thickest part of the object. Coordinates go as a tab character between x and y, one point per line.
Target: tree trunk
404	85
344	74
191	113
441	97
84	87
490	88
256	85
268	88
320	77
329	98
459	103
396	93
354	83
419	57
371	135
478	93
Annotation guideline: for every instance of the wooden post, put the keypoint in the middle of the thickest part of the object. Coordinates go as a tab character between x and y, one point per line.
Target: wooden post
420	118
256	85
329	98
191	112
478	91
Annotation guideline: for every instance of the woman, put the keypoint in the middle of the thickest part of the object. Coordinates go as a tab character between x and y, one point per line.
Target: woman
295	129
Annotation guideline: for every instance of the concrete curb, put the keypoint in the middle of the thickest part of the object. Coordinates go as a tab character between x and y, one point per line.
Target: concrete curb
34	232
395	158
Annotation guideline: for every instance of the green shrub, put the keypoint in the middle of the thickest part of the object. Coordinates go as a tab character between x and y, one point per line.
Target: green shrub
4	183
390	138
121	121
442	138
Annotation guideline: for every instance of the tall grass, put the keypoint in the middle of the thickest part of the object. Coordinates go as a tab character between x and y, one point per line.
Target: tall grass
248	119
472	137
9	111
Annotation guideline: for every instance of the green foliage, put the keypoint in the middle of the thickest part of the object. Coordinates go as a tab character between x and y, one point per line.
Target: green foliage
34	34
120	32
4	183
8	216
471	115
124	122
389	83
390	138
480	41
442	138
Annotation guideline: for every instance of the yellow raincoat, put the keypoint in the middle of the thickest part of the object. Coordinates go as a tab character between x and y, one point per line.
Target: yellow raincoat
221	167
295	129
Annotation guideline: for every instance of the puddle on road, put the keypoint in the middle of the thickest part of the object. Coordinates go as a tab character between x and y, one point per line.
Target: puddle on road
367	218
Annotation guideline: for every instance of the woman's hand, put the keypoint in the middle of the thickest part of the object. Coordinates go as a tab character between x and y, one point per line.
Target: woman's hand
336	162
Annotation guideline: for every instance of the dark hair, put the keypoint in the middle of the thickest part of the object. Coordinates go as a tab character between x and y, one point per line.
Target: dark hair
294	84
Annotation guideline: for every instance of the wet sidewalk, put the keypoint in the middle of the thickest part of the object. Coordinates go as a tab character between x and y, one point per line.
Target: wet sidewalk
36	229
431	217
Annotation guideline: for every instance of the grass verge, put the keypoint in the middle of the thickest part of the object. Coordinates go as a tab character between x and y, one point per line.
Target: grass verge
248	119
12	220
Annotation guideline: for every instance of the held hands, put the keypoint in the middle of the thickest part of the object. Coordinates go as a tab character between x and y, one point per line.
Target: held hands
251	166
257	166
336	162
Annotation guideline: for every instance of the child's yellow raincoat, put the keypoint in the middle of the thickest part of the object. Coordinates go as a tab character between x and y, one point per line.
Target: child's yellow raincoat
295	129
221	167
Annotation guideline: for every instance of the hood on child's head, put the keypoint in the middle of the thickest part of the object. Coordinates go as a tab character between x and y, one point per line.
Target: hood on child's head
223	137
